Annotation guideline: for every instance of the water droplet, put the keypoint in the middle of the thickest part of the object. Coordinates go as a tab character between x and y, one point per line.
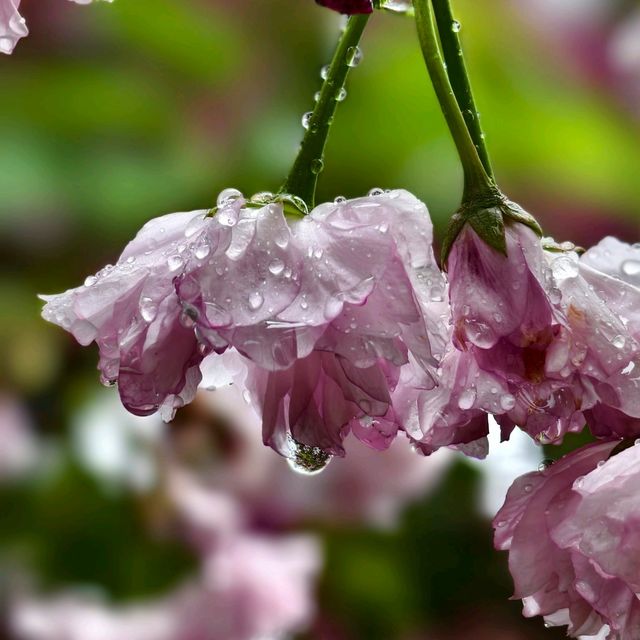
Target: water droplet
316	96
262	197
255	300
579	482
227	217
630	268
507	402
246	396
456	26
376	191
341	95
545	464
202	250
565	267
89	281
318	252
324	72
618	342
276	266
107	382
317	166
383	227
480	334
282	239
148	309
130	260
467	399
528	488
227	197
308	460
501	523
354	56
306	119
175	262
555	296
339	200
636	441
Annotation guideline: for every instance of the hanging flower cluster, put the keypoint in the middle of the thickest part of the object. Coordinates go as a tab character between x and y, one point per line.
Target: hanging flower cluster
340	321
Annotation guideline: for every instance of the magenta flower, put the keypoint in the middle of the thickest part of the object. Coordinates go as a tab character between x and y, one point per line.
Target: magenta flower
349	7
572	551
557	332
131	310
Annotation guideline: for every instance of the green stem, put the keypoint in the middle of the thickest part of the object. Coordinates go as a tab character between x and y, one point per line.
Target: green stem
476	179
303	177
448	30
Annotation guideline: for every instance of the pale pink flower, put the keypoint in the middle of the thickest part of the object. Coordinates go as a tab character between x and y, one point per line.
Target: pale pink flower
145	336
572	548
560	334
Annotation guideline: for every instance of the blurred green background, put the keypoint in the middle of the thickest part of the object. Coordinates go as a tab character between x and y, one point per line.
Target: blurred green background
112	114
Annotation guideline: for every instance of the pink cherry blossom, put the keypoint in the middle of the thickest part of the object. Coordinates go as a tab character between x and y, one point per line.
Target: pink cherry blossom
132	312
355	293
572	550
559	333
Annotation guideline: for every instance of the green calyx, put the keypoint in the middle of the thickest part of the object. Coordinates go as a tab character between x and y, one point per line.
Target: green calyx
487	214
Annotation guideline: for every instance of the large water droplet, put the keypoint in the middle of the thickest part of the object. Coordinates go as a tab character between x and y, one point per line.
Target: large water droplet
456	26
317	166
227	197
89	281
255	300
480	334
308	460
324	72
341	95
354	56
618	342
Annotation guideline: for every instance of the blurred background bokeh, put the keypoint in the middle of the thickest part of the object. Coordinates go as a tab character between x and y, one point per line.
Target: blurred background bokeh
119	528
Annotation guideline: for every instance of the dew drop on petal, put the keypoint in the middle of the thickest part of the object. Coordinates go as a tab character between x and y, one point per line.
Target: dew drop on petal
89	281
618	342
255	300
227	217
202	250
630	267
175	262
376	191
467	399
507	402
276	266
148	309
565	267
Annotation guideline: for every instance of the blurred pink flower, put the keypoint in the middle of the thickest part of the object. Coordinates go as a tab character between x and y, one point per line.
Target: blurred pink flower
251	587
572	551
13	26
19	452
557	336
